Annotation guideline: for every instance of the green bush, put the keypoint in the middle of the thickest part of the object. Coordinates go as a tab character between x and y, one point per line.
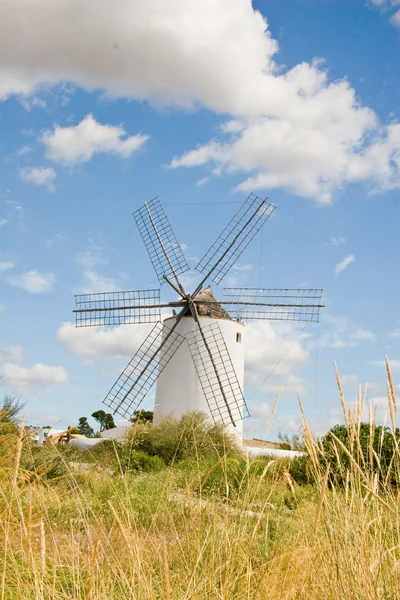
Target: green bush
372	448
192	436
137	460
44	462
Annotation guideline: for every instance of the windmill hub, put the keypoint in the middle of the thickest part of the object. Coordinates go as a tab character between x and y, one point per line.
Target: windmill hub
198	363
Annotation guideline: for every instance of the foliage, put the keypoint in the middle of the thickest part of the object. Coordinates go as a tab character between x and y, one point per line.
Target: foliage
142	416
84	427
192	436
10	409
44	462
105	420
368	445
137	460
291	442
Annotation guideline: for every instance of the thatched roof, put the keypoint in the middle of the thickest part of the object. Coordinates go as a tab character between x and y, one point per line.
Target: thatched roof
213	310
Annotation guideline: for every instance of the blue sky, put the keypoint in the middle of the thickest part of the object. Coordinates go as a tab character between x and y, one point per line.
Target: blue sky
199	102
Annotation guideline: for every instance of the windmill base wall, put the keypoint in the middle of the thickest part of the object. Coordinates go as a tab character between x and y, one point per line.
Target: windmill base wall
178	387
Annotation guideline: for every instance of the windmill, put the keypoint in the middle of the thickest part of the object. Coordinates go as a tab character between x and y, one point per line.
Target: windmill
197	355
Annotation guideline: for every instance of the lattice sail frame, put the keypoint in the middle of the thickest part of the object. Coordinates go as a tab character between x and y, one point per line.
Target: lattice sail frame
140	374
209	382
118	308
236	236
273	304
160	240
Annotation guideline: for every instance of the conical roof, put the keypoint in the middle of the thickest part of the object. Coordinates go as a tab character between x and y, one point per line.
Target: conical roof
213	310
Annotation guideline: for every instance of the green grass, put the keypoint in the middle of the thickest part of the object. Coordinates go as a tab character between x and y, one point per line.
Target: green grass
200	521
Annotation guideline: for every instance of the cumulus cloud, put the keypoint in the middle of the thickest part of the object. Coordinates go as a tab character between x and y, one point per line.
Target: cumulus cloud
394	364
6	265
202	181
389	6
11	354
122	341
350	380
39	176
270	354
78	144
340	332
24	380
34	282
343	264
290	128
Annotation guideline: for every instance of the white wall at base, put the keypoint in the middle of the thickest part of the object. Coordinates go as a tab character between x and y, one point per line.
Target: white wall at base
275	452
178	386
116	433
84	443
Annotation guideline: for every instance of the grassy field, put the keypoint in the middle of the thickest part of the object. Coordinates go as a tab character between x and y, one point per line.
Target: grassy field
201	521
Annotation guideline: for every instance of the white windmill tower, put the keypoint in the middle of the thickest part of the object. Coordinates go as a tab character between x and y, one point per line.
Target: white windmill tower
196	356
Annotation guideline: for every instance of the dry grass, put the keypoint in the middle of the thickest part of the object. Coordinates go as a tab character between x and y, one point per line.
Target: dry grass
202	530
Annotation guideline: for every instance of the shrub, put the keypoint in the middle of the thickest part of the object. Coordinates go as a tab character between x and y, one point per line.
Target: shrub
371	447
192	436
137	460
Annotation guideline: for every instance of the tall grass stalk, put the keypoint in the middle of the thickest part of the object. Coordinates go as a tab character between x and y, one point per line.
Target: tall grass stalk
211	524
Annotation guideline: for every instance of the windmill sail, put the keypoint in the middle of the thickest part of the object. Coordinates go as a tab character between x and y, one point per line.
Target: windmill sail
273	304
161	244
217	374
141	372
236	236
118	308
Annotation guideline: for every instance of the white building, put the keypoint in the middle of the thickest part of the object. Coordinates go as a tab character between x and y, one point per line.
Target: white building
179	389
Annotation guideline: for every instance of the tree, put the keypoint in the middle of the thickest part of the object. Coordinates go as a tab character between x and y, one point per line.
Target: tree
84	427
105	420
10	408
142	416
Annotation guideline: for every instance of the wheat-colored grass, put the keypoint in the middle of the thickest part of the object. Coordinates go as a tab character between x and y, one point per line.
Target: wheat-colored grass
171	535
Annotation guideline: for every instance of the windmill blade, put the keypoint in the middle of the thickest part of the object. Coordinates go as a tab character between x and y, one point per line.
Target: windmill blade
118	308
273	304
161	244
141	372
217	374
236	236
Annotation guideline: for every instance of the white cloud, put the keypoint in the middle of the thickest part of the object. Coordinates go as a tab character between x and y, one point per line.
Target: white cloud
290	128
3	222
24	380
337	241
39	176
90	260
395	334
350	380
95	282
122	341
77	144
389	6
6	266
267	351
34	282
339	332
202	181
261	411
11	354
2	307
394	364
343	264
395	19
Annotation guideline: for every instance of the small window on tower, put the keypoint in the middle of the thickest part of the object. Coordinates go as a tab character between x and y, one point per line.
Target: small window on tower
239	338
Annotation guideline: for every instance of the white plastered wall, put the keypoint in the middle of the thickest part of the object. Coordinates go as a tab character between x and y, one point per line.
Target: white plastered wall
178	386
